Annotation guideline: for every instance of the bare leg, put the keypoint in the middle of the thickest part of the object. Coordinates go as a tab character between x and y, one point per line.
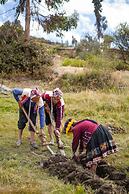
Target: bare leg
32	136
20	131
58	139
50	131
32	140
42	137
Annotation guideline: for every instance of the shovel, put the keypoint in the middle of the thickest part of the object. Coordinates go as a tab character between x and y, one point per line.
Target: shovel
32	125
61	150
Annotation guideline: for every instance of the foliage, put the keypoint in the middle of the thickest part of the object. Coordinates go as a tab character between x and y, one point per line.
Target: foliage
122	66
28	59
100	62
87	80
101	21
88	44
10	32
108	39
58	21
33	59
74	62
54	20
91	61
121	39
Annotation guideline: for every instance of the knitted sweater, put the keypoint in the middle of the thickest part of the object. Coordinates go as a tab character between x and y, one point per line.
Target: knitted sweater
82	133
23	95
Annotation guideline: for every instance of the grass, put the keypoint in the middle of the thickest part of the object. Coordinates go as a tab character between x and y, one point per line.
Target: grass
74	62
19	167
96	62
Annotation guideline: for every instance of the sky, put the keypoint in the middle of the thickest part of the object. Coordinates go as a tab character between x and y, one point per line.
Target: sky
115	11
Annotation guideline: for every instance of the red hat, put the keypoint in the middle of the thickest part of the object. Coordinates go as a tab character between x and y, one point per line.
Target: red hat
35	92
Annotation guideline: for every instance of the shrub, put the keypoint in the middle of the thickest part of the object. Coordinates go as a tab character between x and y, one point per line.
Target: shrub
122	66
31	59
91	80
74	62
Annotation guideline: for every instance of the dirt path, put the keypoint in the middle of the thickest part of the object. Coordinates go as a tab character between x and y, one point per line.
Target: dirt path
60	70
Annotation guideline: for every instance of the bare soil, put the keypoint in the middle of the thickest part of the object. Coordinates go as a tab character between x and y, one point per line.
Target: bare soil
107	181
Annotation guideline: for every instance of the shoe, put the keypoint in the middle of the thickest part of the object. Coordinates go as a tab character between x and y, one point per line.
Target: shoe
51	142
62	152
34	145
19	142
60	144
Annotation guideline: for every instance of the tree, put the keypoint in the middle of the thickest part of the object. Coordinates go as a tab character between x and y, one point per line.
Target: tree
10	32
101	21
88	44
107	40
121	39
55	21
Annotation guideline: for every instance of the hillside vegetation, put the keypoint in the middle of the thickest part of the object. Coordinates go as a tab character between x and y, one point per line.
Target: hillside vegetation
99	91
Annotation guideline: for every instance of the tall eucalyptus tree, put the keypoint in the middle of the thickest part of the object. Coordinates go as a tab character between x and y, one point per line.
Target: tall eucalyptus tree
55	20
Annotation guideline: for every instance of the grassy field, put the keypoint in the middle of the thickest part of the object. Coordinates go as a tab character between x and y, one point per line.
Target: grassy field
20	172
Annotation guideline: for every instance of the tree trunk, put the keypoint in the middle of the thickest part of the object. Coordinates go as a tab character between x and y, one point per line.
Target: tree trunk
27	22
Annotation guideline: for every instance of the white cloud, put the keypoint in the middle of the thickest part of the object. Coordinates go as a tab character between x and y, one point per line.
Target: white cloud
82	6
116	13
1	23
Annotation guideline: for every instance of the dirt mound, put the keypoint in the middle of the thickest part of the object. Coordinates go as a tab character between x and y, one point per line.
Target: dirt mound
107	181
115	129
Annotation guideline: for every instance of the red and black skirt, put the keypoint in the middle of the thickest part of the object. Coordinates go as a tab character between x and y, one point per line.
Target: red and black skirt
100	145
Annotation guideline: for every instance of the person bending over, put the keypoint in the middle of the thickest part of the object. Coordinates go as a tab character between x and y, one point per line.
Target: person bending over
31	101
54	109
91	142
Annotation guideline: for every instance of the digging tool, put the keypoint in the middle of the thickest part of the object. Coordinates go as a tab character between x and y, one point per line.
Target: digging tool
31	123
29	120
61	150
50	150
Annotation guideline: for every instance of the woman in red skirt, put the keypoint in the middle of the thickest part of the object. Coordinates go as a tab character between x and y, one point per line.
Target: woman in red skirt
91	142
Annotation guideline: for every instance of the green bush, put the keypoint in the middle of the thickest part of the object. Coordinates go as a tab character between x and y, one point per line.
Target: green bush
30	59
74	62
90	80
122	66
97	62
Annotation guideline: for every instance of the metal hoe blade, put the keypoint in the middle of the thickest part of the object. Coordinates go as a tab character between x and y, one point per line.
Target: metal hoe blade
50	150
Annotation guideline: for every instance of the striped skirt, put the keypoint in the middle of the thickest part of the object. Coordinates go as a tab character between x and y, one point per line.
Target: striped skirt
100	145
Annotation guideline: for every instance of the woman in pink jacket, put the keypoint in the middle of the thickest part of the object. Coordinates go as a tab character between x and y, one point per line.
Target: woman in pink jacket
91	142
